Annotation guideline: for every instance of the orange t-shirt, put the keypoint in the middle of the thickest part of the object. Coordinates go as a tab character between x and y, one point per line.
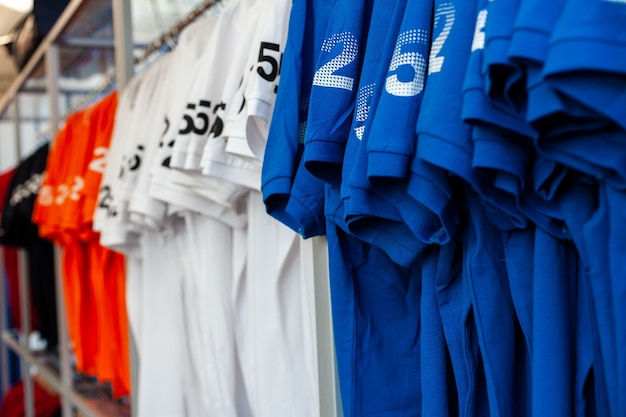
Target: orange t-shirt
93	275
48	213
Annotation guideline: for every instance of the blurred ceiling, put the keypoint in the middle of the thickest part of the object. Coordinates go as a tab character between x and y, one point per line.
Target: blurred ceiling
11	12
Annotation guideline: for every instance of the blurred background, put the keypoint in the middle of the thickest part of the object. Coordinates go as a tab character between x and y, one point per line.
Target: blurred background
24	23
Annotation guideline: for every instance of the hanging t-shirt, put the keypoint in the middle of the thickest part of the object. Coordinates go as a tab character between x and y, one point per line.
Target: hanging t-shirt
10	263
291	194
19	230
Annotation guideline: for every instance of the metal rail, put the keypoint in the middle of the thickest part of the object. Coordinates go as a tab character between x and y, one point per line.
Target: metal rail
51	376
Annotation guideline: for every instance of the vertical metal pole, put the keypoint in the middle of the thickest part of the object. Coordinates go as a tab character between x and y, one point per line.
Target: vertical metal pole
315	252
124	70
4	352
123	36
64	348
52	86
16	130
24	284
24	272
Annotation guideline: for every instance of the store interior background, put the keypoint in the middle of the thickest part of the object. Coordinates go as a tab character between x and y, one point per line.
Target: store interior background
150	18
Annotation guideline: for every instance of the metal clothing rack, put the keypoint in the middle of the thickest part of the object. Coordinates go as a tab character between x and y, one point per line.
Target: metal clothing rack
314	250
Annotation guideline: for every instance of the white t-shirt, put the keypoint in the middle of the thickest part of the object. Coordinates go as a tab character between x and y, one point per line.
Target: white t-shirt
133	159
176	186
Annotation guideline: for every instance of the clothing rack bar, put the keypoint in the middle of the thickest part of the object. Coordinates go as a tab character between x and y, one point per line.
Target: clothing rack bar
91	96
122	14
51	377
170	35
83	42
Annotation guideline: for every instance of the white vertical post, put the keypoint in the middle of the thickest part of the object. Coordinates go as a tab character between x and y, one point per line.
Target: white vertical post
124	70
315	252
52	86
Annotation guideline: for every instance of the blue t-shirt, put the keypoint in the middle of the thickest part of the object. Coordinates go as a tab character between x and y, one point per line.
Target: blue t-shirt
554	311
488	72
493	310
457	317
504	78
376	315
616	246
586	214
391	138
587	56
443	138
554	115
291	194
519	248
439	392
366	214
498	132
444	143
503	140
334	89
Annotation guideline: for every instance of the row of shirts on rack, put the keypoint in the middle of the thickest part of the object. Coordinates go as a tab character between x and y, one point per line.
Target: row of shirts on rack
464	160
218	301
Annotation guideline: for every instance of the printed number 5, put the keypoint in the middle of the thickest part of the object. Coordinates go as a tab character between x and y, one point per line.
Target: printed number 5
189	124
274	65
415	60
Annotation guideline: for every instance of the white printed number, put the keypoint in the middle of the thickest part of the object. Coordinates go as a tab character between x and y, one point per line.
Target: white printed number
325	76
479	32
444	11
28	188
363	108
413	60
73	193
99	161
46	195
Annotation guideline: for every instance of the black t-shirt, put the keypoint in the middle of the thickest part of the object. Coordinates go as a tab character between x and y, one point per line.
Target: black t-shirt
17	229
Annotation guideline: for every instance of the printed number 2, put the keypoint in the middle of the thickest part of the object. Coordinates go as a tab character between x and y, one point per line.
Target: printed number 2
73	192
325	76
99	161
447	12
415	60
